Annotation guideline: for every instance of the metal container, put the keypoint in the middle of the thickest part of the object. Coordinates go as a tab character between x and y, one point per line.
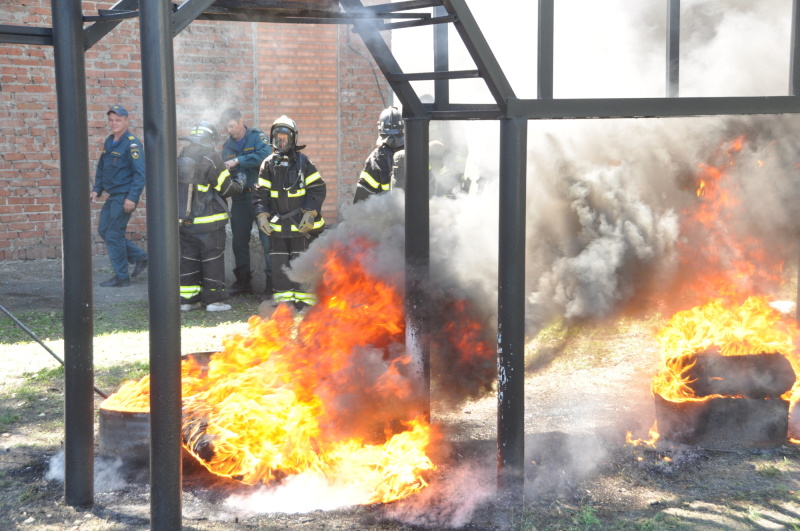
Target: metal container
126	434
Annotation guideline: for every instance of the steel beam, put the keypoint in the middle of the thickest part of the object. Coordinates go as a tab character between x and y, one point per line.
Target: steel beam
511	308
794	57
673	47
76	249
25	35
480	51
92	34
386	62
417	249
441	61
158	84
651	107
187	13
544	67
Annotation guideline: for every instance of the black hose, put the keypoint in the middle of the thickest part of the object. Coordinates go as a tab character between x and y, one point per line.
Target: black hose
30	333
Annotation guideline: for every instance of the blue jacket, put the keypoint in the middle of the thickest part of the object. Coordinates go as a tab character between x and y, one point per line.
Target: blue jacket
120	169
254	149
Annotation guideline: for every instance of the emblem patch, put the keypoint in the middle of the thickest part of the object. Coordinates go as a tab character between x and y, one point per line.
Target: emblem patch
135	154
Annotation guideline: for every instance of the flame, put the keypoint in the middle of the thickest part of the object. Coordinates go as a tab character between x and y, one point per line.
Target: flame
331	393
750	328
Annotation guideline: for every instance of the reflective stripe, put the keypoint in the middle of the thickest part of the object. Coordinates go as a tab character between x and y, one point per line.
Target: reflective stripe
320	223
265	183
372	182
221	179
202	187
273	193
313	177
187	292
283	296
308	298
211	219
276	227
301	192
386	187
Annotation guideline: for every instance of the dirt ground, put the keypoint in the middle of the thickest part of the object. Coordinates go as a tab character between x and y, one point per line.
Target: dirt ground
584	390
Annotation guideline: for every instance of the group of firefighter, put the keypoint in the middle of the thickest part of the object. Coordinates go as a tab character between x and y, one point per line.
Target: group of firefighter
269	181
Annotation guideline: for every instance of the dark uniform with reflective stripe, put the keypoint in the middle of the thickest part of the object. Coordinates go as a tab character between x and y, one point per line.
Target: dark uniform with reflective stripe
251	151
376	177
120	173
286	188
202	230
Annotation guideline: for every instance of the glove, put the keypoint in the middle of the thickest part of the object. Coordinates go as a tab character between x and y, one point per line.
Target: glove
307	221
263	223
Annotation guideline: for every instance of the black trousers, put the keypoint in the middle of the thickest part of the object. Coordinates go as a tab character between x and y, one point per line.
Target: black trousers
203	267
281	252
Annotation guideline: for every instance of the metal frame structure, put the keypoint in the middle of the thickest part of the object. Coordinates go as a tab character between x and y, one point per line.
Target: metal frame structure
160	21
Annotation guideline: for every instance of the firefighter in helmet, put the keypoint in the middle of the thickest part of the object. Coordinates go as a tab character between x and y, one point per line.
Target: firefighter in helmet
203	185
376	176
288	205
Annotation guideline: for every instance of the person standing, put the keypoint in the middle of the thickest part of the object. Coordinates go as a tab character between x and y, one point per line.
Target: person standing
376	177
203	185
120	173
288	206
243	152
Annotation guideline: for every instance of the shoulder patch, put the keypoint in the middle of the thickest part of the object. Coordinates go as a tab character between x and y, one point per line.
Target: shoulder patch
131	137
135	154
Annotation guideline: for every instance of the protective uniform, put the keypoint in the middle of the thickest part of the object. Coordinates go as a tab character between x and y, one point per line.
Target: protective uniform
203	183
120	173
376	177
288	203
250	151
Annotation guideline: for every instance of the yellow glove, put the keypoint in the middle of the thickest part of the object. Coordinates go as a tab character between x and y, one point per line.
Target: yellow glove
263	223
307	221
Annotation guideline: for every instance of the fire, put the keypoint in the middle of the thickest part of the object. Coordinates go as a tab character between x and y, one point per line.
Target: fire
332	393
724	273
751	328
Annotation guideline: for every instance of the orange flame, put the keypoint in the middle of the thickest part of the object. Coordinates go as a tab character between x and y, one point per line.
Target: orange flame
751	328
332	393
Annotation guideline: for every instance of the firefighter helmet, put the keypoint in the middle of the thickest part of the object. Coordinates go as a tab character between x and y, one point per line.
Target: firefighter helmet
204	133
287	126
390	128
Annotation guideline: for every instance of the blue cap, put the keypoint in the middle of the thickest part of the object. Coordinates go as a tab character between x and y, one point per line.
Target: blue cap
118	109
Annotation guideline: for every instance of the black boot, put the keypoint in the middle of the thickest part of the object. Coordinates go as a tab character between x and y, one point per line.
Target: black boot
242	285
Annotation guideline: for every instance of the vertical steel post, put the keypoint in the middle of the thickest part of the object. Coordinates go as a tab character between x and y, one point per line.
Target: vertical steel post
794	90
544	75
418	250
673	47
158	84
441	58
76	252
511	307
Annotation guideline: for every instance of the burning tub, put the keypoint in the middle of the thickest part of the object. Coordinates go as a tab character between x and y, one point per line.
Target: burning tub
739	402
124	430
727	379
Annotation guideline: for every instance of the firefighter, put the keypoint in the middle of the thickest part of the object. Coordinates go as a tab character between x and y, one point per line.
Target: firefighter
243	153
288	205
203	185
376	177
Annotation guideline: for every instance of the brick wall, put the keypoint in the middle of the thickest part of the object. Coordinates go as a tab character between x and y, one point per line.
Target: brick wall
309	72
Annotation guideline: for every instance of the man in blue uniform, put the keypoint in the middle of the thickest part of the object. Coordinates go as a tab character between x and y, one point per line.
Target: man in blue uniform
242	155
120	173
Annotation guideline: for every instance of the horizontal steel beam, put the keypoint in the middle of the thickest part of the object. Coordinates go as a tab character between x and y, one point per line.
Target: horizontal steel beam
416	23
651	107
26	35
399	6
425	76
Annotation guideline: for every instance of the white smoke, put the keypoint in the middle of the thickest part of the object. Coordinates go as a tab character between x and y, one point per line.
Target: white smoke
108	472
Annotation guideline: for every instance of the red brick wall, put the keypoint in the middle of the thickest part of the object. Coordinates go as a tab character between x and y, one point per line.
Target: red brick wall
308	72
